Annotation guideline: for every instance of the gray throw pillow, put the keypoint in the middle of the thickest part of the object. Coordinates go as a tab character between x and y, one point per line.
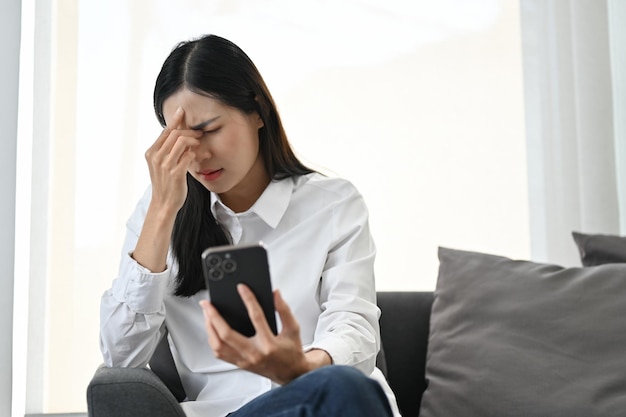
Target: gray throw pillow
517	338
600	249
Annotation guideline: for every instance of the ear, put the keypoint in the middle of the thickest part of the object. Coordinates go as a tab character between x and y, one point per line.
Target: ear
259	121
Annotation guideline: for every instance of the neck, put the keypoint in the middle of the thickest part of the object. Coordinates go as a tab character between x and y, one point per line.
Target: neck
246	193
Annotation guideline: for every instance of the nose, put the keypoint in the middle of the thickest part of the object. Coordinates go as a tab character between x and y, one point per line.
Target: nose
203	150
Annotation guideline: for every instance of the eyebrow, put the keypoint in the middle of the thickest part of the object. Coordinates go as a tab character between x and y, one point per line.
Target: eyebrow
204	124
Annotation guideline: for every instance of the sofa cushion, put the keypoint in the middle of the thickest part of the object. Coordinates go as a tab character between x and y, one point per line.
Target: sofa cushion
600	249
517	338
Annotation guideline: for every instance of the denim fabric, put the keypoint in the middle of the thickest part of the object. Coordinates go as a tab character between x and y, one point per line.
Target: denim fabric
331	391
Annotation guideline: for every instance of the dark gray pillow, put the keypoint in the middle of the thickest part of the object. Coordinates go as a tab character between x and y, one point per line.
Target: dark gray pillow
599	249
517	338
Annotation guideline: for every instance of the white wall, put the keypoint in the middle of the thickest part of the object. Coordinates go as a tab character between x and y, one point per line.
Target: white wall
9	80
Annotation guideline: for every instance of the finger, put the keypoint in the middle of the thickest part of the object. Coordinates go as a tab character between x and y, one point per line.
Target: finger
205	305
206	312
226	333
165	133
177	123
189	137
180	153
212	320
171	132
179	116
215	342
255	312
186	158
290	324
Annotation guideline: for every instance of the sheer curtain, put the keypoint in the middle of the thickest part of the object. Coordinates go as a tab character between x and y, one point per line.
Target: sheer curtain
10	46
573	101
617	33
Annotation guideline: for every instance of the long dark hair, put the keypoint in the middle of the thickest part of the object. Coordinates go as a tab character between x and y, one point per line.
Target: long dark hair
217	68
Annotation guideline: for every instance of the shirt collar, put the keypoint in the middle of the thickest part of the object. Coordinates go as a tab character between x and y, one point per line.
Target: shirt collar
270	206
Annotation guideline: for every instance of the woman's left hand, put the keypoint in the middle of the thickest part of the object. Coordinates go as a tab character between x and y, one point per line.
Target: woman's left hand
277	357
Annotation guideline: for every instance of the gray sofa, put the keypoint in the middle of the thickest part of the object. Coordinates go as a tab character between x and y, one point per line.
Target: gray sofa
156	392
504	337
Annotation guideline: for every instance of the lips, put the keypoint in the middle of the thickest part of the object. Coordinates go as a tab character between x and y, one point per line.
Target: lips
211	174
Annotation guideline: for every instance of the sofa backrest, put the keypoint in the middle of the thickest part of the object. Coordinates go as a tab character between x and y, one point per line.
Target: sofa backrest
404	328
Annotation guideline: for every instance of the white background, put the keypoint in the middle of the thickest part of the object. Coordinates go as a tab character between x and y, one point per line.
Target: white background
418	103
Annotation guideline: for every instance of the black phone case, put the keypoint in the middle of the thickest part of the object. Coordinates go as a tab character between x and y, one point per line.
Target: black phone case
226	266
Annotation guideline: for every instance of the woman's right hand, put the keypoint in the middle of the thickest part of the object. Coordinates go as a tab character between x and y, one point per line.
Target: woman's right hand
277	357
168	161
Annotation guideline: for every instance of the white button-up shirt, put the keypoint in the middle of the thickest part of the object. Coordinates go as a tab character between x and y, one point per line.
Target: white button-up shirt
321	257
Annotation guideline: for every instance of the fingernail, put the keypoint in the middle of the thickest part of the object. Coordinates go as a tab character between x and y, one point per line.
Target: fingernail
204	312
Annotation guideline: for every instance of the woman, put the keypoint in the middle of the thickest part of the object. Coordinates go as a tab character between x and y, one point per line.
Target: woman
222	172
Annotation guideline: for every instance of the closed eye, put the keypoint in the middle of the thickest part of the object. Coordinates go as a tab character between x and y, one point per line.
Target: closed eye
208	132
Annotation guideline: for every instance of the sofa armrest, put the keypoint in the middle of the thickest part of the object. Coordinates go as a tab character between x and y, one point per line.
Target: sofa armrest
126	392
404	328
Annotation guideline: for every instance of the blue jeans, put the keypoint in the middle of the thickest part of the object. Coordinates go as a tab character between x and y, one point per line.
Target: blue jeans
331	391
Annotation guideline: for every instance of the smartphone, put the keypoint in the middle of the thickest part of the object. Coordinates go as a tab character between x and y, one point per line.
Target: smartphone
226	266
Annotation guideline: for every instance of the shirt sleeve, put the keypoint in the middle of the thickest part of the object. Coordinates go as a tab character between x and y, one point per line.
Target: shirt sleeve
348	326
132	312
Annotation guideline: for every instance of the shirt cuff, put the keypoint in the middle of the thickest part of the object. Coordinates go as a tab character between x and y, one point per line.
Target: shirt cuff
140	289
340	352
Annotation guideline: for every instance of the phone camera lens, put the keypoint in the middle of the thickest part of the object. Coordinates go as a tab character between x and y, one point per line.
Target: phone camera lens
213	261
216	274
229	266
